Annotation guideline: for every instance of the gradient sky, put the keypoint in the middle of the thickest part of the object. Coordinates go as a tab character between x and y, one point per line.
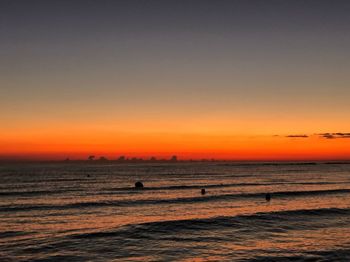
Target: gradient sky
222	79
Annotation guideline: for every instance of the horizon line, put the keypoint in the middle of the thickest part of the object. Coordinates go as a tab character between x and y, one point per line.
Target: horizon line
141	160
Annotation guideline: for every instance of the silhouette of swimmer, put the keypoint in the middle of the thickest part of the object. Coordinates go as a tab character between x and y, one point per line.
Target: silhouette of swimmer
138	185
203	191
268	197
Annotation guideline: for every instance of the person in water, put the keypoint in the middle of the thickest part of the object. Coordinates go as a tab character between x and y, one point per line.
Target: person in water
203	191
138	185
268	197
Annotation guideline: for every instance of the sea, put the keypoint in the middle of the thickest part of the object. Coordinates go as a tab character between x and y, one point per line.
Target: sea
91	211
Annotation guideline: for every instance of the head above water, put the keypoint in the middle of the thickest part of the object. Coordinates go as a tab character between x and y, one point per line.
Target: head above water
138	185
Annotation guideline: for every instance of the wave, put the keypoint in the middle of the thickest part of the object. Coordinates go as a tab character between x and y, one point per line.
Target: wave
185	200
180	187
321	255
268	221
36	192
271	164
6	234
185	187
337	163
117	190
157	239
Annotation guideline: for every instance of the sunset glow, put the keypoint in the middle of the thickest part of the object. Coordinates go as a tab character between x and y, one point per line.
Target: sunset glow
174	130
143	80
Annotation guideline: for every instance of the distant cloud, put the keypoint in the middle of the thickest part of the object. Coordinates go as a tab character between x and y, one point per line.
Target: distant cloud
321	135
334	135
298	136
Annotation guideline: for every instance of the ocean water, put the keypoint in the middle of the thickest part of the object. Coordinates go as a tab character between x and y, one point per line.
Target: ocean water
91	212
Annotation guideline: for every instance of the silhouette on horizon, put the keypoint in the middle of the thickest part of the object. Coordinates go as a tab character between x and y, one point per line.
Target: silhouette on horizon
173	158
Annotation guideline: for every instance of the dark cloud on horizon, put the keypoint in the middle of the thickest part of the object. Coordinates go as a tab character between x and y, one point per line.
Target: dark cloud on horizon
334	135
297	136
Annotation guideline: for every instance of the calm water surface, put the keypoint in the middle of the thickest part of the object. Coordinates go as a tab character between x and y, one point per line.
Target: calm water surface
91	212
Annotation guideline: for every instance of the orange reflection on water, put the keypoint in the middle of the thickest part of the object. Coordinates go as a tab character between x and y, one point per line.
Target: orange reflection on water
112	219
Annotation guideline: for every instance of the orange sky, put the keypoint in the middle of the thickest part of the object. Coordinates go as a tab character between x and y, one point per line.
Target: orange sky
213	80
220	135
257	136
52	145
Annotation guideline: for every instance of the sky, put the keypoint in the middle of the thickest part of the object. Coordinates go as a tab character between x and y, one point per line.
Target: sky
239	80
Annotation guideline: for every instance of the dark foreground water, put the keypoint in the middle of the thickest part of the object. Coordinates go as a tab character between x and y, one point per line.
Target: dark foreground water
90	212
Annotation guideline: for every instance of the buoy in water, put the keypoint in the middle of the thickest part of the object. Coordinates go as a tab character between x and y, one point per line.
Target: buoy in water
138	185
